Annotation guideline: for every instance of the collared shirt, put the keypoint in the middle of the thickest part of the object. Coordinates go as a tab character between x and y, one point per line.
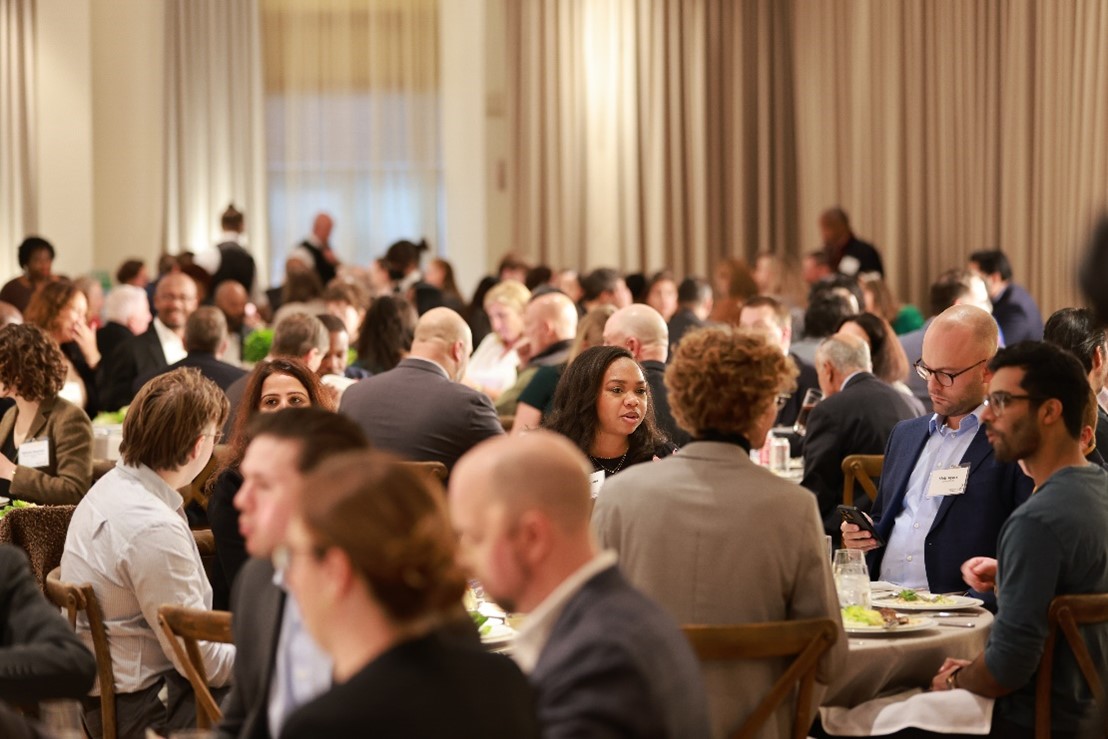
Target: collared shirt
903	563
129	539
532	637
173	347
302	670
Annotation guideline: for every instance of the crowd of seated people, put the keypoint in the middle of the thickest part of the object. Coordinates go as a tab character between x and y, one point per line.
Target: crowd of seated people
588	426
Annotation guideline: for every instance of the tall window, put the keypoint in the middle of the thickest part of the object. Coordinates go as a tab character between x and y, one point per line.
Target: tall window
352	123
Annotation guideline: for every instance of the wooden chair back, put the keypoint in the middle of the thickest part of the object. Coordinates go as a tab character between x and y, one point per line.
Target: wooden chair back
196	490
436	470
189	626
1066	614
863	468
82	598
40	531
804	640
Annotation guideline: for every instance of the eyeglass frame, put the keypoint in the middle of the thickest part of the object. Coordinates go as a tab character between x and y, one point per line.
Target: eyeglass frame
925	373
997	408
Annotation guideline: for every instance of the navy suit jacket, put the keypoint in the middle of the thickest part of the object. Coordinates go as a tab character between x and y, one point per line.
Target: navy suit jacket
966	525
1018	315
616	664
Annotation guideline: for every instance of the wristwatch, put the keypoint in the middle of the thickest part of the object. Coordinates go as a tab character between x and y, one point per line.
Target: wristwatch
952	679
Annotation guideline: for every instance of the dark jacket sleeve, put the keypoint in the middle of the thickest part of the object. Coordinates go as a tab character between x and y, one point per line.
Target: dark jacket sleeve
40	656
823	460
230	547
117	374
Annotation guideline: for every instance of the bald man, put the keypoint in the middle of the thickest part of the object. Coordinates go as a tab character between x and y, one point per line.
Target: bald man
856	416
149	353
604	659
315	251
419	409
943	494
549	325
642	331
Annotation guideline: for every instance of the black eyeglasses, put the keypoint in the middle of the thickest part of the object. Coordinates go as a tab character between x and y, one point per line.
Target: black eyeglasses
946	379
782	399
999	400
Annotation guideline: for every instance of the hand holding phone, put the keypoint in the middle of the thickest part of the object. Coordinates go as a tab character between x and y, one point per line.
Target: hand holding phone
851	515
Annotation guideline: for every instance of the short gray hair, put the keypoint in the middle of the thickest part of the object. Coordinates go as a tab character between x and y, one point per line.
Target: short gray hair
123	302
846	355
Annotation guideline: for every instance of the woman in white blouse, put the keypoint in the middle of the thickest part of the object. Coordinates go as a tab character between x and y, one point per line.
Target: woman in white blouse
492	368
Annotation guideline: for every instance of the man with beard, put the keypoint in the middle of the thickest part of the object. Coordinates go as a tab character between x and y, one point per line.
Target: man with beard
943	495
1052	545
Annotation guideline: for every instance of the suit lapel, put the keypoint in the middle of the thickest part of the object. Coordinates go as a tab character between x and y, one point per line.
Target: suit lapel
979	450
901	476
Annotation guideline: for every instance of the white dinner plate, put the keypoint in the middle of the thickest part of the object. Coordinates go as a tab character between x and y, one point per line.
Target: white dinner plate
498	635
4	501
949	602
915	623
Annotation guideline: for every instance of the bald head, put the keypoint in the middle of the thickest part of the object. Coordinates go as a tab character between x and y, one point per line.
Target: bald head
641	329
548	319
539	470
443	337
971	322
321	227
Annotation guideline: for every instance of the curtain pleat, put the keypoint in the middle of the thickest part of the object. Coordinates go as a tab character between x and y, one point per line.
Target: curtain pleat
941	127
18	167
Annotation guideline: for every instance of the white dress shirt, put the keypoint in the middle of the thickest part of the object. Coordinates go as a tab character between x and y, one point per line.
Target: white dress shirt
490	367
129	539
173	347
301	671
532	637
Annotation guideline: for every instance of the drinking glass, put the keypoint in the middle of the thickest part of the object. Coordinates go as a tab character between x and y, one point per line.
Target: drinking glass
811	397
851	578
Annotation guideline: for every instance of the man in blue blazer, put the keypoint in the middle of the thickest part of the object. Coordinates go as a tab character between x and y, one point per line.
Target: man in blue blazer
604	659
1013	307
943	496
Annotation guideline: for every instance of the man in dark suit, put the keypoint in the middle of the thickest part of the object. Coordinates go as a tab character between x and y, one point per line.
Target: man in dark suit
419	409
694	304
269	635
127	313
856	416
152	351
40	656
315	252
846	253
604	659
642	331
205	342
1013	307
943	495
229	259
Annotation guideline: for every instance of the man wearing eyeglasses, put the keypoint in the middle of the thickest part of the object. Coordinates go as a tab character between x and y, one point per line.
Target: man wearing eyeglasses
943	495
1054	545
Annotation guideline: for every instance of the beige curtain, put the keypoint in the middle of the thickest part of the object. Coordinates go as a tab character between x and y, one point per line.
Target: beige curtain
352	104
664	132
215	133
18	212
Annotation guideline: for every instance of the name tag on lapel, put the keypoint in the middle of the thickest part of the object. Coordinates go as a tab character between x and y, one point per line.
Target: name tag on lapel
35	453
948	482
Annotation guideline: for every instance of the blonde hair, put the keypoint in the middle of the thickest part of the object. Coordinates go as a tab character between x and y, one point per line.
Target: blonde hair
511	293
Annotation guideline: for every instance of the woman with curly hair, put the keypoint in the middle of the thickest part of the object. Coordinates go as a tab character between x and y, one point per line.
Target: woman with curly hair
271	386
386	334
603	405
45	441
371	561
61	310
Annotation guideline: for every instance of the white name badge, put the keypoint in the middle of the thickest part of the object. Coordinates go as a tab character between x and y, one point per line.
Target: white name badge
596	479
35	453
948	482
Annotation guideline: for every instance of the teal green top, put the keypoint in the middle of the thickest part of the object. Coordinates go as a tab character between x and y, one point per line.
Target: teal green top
908	319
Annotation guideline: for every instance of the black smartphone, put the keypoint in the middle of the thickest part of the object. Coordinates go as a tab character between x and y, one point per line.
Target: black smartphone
851	514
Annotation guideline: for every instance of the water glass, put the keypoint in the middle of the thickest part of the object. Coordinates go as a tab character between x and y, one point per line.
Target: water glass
851	578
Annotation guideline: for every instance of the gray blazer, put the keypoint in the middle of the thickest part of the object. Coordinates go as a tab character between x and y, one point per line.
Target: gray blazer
616	664
259	606
715	539
416	411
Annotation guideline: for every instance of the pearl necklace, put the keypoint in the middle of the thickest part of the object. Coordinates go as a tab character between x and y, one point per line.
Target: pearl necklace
606	470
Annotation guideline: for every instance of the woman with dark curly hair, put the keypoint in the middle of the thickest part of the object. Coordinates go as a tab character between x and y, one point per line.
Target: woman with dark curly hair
371	560
603	405
61	310
386	334
45	441
272	385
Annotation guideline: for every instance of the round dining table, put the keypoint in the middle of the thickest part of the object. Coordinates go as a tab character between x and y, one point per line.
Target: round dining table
888	663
